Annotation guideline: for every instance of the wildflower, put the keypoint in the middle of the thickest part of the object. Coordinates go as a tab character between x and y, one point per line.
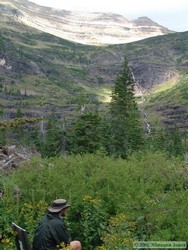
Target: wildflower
87	198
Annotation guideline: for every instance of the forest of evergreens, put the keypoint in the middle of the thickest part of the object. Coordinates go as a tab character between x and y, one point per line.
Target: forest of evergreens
124	185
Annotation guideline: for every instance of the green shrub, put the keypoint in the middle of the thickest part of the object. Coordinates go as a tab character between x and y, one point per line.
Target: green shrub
148	189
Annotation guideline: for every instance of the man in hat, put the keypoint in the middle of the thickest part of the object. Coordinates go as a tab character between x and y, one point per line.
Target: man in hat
52	231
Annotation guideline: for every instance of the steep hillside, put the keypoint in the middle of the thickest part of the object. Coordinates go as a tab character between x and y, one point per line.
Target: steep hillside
39	71
168	103
82	27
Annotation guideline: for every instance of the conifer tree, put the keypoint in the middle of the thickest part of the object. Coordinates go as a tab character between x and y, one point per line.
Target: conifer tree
168	140
85	134
53	139
18	132
126	127
2	129
2	137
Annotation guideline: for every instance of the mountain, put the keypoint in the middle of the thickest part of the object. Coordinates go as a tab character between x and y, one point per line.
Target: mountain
82	27
40	71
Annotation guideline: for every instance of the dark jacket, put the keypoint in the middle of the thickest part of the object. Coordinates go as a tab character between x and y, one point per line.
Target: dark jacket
50	233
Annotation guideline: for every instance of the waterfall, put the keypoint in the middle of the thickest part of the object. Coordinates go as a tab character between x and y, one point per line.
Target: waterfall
148	127
146	120
139	90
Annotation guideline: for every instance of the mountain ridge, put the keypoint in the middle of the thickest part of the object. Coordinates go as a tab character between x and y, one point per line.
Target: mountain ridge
40	71
92	28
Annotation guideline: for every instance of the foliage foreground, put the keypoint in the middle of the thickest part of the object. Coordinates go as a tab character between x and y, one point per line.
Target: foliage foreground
114	202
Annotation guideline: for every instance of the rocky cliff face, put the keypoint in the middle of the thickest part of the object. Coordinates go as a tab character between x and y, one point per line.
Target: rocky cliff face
81	27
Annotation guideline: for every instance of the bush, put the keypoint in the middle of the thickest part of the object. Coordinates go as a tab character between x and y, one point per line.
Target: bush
146	194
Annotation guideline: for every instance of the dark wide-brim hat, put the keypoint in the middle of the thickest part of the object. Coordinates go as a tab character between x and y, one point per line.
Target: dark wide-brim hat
58	205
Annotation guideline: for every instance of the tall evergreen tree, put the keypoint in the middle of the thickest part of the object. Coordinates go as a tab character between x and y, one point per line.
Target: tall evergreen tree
53	141
126	127
18	131
2	137
85	134
2	129
168	140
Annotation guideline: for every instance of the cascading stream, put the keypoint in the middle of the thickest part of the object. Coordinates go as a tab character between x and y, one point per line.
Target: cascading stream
141	94
146	120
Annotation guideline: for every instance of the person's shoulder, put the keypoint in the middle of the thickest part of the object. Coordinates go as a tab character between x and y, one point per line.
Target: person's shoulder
55	218
57	222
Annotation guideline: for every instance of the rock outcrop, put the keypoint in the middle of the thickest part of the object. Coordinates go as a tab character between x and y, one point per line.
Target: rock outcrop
83	27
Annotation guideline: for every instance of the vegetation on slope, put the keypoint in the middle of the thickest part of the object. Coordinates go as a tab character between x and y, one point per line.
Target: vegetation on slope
140	198
173	91
114	202
41	72
168	103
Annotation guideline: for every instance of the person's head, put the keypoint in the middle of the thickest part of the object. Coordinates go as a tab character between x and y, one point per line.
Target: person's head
59	206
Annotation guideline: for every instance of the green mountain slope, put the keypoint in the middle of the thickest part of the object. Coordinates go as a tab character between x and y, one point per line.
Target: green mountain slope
169	102
39	70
